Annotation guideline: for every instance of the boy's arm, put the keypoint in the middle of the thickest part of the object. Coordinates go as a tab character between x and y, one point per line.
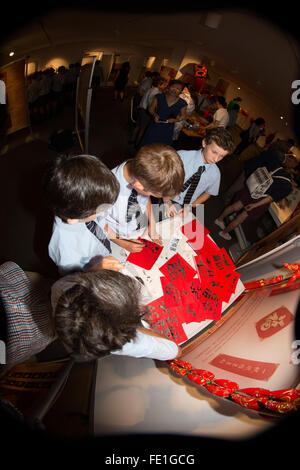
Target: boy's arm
133	246
149	332
201	199
152	225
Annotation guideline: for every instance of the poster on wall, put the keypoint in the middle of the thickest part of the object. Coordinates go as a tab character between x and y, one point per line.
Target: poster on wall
167	72
13	76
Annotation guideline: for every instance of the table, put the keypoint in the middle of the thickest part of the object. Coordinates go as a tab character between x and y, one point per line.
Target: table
282	212
174	241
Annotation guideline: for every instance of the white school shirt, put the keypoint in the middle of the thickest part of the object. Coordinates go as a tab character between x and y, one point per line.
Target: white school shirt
147	98
210	178
72	246
222	116
116	216
142	345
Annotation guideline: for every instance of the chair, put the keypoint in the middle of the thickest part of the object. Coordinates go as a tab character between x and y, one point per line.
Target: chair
26	329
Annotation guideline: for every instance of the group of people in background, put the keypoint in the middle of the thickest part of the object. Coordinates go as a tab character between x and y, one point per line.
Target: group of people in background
48	91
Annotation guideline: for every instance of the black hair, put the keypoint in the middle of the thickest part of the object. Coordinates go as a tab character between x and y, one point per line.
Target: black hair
75	186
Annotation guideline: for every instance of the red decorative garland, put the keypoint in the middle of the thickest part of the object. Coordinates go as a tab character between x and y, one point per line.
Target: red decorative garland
259	399
295	268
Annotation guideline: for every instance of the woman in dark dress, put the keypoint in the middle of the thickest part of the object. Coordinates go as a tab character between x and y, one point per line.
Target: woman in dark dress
121	80
166	109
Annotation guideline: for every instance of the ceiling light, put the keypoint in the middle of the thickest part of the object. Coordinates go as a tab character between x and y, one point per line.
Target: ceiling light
11	53
281	117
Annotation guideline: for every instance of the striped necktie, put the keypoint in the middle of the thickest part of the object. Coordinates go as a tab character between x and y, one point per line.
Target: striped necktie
192	184
99	233
133	207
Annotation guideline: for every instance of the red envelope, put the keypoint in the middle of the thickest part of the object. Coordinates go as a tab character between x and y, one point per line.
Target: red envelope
195	233
177	268
147	256
209	246
223	262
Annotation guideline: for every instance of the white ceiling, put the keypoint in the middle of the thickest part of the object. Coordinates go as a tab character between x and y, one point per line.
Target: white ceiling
246	47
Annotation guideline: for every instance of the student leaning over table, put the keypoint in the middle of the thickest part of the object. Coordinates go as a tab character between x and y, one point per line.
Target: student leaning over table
101	313
156	170
197	189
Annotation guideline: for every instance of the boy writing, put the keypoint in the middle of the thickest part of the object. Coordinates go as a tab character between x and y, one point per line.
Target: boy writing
157	171
77	189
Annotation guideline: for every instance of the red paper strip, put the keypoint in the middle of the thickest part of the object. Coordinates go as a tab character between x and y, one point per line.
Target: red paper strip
209	246
177	268
273	322
147	256
245	367
195	232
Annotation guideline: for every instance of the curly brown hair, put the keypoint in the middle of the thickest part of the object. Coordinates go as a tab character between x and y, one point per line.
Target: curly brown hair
221	137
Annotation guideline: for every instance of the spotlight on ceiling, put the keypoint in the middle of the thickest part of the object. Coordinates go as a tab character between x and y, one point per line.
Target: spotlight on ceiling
11	53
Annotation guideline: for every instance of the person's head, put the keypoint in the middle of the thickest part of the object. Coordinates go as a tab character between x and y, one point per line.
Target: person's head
98	314
160	83
217	144
235	107
175	87
260	122
157	170
148	74
76	187
219	101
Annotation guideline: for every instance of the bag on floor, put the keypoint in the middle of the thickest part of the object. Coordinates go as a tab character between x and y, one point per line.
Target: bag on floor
260	180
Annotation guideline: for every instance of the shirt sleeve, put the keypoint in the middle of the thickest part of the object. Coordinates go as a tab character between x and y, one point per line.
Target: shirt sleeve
214	185
150	347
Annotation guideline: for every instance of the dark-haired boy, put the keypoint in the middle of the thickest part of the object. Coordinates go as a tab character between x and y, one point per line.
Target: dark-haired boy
79	189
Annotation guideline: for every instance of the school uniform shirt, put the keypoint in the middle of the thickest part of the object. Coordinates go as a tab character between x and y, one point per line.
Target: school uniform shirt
116	216
72	246
147	97
210	178
142	345
222	116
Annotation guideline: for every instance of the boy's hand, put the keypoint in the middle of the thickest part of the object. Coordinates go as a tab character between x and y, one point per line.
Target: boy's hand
155	237
170	210
109	262
133	246
184	212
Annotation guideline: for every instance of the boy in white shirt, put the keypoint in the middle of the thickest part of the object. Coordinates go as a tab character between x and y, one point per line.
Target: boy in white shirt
221	116
202	175
157	171
79	189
